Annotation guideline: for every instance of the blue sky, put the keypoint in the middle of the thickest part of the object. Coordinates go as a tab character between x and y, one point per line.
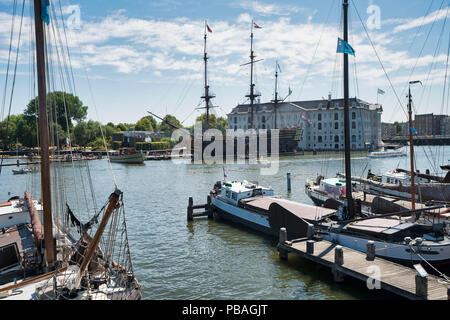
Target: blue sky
147	55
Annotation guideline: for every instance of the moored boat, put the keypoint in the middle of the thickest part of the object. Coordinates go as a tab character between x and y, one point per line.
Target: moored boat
127	155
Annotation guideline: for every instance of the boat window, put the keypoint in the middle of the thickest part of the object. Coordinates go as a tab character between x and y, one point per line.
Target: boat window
257	192
228	193
234	196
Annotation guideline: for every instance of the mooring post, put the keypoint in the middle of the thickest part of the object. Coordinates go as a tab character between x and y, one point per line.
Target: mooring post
288	177
338	261
448	293
310	231
310	246
209	207
422	285
370	251
190	210
281	241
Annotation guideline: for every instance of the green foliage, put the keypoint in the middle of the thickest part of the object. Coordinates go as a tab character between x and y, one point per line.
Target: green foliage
116	145
219	123
64	104
144	124
166	128
160	145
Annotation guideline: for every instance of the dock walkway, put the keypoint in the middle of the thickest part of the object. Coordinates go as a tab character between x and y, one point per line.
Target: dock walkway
393	277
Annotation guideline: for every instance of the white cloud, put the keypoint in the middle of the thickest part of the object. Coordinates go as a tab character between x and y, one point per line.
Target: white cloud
267	9
434	16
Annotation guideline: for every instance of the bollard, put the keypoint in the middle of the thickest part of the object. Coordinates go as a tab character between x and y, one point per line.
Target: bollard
310	246
282	239
283	235
422	285
339	255
288	177
310	231
209	208
190	210
448	293
370	251
338	276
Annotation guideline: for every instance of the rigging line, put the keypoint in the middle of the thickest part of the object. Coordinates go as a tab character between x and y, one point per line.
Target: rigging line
315	50
423	46
9	59
71	82
379	59
14	78
411	44
438	46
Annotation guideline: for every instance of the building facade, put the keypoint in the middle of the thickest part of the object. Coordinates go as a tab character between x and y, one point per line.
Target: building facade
320	121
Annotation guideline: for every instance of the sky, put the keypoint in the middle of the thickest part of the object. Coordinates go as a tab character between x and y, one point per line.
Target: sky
130	57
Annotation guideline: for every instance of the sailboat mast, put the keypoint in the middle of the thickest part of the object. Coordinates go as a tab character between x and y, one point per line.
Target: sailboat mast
207	97
411	151
252	94
348	171
44	136
275	101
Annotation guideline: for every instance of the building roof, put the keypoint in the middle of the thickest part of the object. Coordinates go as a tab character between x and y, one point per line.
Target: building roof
307	105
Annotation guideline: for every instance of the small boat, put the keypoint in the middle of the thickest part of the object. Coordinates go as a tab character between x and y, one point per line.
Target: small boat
127	155
387	154
24	170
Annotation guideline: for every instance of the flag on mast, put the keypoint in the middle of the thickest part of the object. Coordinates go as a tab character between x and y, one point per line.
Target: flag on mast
207	27
256	26
45	15
306	119
380	91
344	47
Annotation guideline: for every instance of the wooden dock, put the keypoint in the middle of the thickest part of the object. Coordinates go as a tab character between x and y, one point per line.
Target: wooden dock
191	207
398	279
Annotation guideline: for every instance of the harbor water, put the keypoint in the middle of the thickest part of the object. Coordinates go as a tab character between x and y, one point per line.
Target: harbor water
206	259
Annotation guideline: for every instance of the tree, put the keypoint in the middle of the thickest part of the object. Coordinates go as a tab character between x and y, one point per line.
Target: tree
59	104
144	124
219	123
167	128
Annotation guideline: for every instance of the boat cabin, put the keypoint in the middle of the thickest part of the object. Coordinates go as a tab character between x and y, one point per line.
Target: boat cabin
395	177
237	190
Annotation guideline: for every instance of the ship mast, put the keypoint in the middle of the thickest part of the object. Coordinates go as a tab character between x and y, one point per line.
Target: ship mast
252	94
348	171
44	136
207	96
411	146
276	100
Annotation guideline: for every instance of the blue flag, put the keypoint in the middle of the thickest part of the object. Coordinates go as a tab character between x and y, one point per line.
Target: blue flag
45	15
344	47
412	130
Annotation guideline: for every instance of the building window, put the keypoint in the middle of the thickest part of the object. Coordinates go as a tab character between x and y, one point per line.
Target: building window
235	119
319	139
336	138
353	115
353	139
319	126
336	125
336	116
319	117
353	125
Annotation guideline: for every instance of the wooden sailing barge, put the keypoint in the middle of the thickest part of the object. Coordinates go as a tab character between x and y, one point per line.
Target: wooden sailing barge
44	260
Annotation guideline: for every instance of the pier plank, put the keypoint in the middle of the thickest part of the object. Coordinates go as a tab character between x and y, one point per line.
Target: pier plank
396	278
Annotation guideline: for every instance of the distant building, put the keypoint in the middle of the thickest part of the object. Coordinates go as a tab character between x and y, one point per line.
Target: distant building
388	130
326	130
445	126
130	138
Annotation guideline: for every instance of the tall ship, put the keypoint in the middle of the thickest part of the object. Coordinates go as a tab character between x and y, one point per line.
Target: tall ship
420	235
